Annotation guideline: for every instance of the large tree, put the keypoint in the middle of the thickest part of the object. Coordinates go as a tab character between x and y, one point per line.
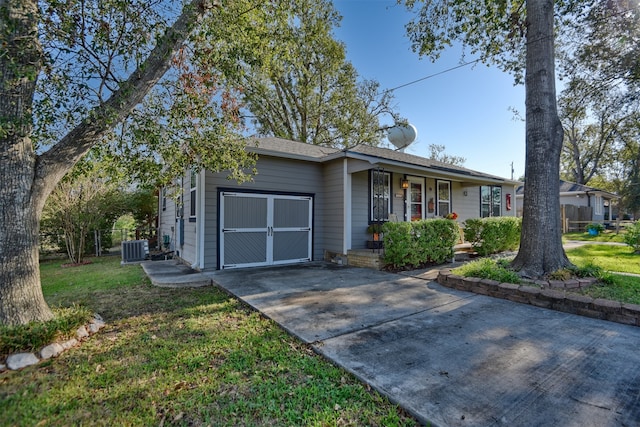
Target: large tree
601	68
295	79
81	203
504	32
73	73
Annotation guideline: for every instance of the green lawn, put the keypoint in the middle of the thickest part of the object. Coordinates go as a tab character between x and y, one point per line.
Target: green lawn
611	258
180	357
605	236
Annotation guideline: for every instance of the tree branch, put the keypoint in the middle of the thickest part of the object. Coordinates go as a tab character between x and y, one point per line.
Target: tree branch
59	159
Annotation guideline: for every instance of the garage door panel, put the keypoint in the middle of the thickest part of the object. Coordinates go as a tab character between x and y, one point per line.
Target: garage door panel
291	213
245	248
245	212
291	245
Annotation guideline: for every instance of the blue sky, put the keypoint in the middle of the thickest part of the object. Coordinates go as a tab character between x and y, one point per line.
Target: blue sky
467	110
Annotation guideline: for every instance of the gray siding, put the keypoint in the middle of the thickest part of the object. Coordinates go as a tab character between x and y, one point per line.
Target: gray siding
275	175
331	211
167	220
468	206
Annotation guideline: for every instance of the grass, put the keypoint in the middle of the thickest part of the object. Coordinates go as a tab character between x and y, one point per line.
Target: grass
488	268
605	236
180	357
611	258
601	261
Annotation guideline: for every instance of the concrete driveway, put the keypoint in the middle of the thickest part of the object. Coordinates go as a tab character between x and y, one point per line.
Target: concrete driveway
453	358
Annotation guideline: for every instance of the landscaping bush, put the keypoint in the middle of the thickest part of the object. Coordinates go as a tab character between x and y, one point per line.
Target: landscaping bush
632	236
412	244
493	235
487	268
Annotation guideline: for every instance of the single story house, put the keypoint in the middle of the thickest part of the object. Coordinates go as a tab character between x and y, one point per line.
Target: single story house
311	203
581	203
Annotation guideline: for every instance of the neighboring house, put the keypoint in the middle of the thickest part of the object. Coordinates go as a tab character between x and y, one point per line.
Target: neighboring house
580	203
311	203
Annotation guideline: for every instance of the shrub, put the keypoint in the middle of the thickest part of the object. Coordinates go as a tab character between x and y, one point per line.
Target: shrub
632	236
487	268
493	235
412	244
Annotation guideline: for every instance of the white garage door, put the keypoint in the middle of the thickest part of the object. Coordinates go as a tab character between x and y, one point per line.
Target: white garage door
264	229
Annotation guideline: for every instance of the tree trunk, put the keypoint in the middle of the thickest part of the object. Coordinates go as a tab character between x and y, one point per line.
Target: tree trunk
21	299
541	250
27	179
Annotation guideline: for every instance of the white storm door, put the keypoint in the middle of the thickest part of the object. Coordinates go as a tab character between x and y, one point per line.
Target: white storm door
264	229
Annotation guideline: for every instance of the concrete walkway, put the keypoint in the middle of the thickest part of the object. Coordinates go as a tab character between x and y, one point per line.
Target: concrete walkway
452	358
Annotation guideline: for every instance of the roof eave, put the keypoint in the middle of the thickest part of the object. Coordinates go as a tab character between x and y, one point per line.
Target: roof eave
434	170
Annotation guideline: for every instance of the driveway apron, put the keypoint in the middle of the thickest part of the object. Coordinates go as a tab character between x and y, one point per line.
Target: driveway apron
453	358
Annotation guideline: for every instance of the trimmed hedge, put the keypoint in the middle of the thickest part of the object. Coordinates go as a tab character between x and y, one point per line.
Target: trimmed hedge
412	244
493	235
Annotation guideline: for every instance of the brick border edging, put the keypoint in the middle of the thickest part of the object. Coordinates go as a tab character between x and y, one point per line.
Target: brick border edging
555	297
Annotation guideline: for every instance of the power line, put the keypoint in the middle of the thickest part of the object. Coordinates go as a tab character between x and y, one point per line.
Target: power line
431	75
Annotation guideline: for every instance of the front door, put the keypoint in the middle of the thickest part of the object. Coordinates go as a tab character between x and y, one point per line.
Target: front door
264	229
415	199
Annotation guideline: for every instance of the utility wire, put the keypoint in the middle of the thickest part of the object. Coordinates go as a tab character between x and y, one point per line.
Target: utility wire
431	75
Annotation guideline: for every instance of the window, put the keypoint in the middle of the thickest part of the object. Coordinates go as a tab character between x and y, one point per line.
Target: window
192	199
180	199
598	205
164	198
444	198
490	201
380	196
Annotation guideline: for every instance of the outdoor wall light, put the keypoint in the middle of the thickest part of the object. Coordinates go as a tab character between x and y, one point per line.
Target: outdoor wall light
404	183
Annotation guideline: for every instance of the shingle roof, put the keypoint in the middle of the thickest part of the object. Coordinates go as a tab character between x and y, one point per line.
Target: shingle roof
299	150
287	147
385	153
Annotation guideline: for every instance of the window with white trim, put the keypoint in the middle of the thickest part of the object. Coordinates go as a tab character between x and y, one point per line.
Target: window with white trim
164	198
490	201
380	196
193	191
598	205
444	198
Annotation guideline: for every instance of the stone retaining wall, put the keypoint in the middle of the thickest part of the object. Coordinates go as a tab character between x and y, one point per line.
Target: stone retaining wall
555	295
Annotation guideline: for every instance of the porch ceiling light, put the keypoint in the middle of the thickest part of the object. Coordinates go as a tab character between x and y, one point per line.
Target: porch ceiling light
404	183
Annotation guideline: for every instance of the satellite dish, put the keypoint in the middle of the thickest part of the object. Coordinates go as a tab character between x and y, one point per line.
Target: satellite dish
402	135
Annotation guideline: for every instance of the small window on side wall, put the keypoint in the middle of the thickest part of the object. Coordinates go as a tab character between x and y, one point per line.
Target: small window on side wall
192	194
380	196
